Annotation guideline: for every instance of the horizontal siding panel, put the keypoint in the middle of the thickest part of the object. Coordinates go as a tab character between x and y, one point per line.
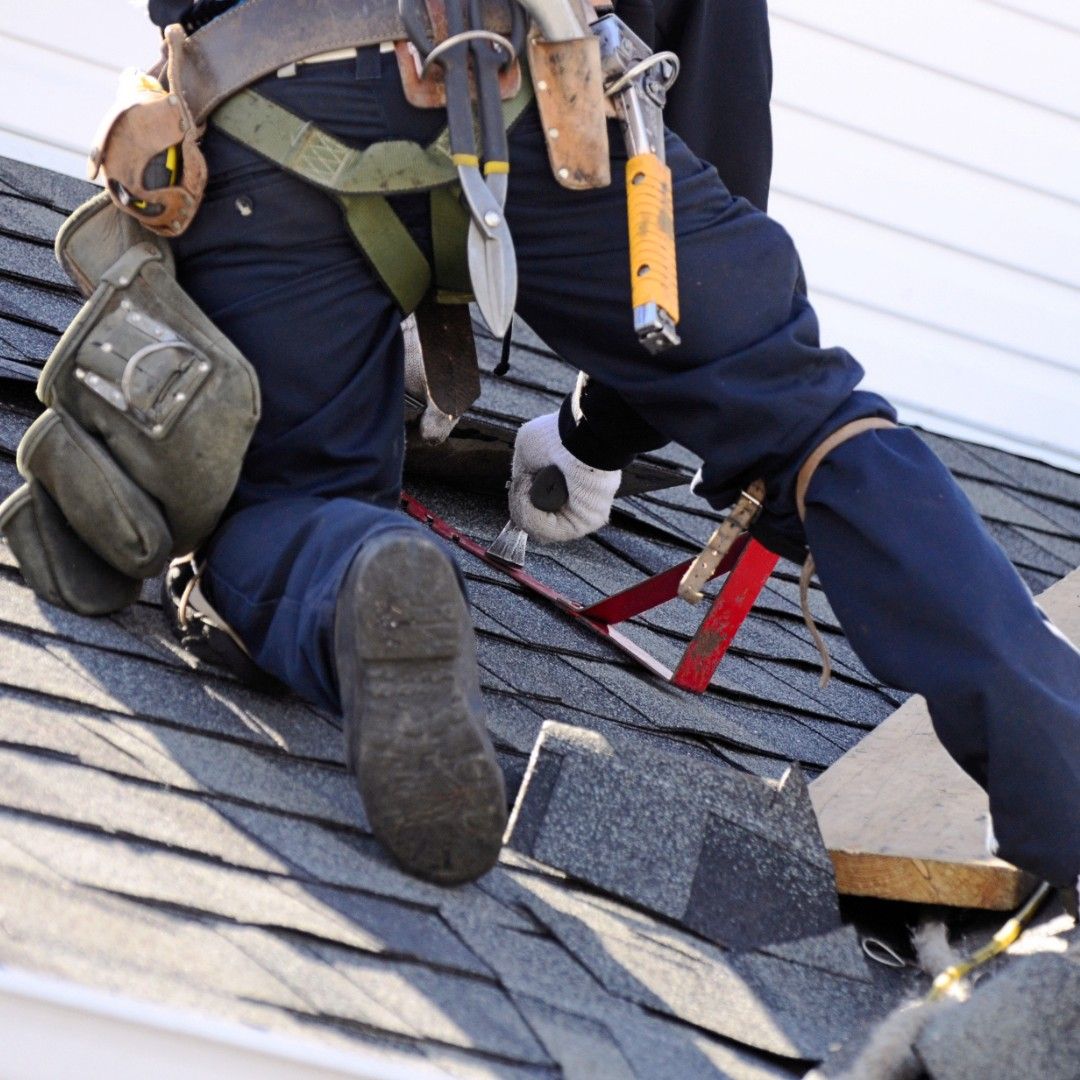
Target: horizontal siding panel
34	151
979	42
112	33
994	219
55	98
926	283
1062	13
984	393
829	78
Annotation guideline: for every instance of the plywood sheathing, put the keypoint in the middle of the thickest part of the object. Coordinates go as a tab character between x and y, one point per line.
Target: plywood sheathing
902	821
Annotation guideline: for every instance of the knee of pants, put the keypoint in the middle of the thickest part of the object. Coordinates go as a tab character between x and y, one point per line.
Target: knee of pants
274	571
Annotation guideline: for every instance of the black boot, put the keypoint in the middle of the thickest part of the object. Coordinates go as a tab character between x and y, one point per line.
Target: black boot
414	730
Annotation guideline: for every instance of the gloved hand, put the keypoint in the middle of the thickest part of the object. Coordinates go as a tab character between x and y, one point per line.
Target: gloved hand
589	491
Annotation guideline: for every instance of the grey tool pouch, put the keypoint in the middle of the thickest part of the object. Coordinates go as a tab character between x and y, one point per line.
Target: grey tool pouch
150	411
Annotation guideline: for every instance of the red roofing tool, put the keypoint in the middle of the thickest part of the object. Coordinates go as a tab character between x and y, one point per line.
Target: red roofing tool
747	564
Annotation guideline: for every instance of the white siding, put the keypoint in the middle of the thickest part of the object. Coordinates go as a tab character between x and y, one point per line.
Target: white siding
59	60
927	164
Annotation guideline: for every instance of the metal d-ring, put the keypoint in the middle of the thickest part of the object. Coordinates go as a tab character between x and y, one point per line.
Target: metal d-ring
633	72
127	379
466	36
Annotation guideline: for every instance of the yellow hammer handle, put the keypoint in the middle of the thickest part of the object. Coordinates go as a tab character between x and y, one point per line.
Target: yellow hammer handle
652	234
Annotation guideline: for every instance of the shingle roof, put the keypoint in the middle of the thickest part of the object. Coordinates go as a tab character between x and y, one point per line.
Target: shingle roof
170	833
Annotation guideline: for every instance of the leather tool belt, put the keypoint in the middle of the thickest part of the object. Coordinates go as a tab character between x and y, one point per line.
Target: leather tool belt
147	145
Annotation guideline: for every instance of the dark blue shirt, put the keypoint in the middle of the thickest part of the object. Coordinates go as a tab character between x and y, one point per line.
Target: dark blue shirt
191	14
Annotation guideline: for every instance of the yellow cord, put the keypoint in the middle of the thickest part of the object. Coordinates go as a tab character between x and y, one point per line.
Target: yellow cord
1005	937
172	163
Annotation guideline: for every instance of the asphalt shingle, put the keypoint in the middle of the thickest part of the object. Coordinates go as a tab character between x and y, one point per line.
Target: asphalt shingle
780	1007
736	859
170	834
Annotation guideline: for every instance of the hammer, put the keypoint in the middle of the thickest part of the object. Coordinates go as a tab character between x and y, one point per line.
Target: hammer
548	492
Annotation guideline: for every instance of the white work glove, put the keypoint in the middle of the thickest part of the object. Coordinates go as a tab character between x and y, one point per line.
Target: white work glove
591	491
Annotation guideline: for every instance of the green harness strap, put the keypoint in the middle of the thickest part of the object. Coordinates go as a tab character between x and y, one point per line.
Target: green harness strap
361	180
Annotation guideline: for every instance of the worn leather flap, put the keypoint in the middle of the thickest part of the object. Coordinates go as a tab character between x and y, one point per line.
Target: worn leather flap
94	238
449	351
145	124
569	89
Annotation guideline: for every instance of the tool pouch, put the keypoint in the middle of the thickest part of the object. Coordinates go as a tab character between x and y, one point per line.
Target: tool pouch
150	411
147	147
59	566
569	87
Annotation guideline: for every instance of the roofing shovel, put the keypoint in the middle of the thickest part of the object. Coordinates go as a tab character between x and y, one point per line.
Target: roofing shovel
548	492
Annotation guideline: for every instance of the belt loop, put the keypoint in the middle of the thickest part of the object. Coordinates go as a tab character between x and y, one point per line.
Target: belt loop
368	63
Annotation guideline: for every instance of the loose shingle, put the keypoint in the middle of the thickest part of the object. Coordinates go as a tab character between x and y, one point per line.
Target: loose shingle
734	858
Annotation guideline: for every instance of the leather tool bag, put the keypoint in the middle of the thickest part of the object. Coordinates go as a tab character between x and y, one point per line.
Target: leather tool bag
150	411
147	147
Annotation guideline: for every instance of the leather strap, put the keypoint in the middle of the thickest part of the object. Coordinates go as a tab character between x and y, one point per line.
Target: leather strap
361	179
255	38
826	447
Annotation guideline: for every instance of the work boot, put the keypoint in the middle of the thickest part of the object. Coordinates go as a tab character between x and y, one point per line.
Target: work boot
414	730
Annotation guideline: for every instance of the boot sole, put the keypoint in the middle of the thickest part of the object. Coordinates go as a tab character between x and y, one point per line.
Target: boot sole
427	773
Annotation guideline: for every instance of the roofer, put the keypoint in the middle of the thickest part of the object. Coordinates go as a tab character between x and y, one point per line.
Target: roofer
359	609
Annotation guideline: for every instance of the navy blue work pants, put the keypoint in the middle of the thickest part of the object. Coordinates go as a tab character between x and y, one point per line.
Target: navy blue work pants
926	597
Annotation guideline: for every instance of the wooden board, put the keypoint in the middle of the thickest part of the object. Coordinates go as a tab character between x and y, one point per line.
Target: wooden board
902	821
